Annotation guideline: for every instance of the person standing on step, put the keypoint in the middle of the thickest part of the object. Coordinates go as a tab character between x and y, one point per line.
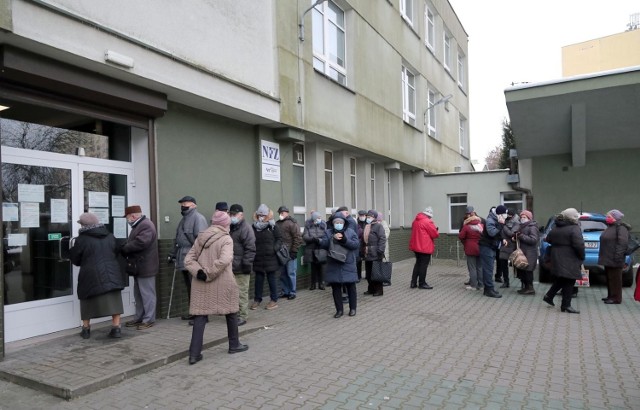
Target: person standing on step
100	280
214	288
192	223
376	243
423	233
507	247
489	245
268	241
314	255
528	235
292	239
244	252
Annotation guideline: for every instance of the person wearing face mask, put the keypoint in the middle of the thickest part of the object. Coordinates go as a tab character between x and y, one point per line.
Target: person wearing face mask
292	239
362	222
528	235
489	244
190	225
423	234
244	252
142	248
376	243
265	264
508	245
613	244
316	257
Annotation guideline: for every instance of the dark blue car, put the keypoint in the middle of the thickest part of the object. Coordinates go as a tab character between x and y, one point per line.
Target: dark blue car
592	225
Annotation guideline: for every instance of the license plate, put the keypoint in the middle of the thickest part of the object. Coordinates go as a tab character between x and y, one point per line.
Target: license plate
591	245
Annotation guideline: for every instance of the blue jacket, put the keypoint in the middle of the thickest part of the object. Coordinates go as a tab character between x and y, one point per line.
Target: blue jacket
338	272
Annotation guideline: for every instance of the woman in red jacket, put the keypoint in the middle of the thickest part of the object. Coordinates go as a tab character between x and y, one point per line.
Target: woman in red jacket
470	235
423	232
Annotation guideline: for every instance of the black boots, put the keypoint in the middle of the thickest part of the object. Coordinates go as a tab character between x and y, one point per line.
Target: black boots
86	332
232	333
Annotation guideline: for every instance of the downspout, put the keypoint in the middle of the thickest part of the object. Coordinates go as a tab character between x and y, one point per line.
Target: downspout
513	170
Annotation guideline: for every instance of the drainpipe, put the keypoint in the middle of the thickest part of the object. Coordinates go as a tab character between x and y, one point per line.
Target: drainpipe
513	179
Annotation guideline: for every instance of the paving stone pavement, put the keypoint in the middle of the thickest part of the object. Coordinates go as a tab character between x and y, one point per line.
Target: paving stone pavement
446	348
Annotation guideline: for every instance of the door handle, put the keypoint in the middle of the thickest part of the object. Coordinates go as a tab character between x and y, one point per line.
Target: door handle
60	258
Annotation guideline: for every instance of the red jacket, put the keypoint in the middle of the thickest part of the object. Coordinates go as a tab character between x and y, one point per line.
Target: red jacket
423	232
470	235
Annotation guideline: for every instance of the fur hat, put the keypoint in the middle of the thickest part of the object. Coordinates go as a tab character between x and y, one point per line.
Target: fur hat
221	218
263	210
527	214
617	215
571	214
501	209
428	211
88	219
133	209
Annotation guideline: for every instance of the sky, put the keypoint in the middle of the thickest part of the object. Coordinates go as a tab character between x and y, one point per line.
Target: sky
515	41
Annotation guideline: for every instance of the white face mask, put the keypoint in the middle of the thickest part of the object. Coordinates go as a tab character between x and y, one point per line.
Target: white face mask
282	216
362	218
524	219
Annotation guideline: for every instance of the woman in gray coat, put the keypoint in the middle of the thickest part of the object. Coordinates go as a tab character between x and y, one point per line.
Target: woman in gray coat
613	244
528	237
567	255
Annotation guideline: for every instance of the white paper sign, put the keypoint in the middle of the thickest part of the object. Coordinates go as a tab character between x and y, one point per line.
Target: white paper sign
10	212
98	199
59	211
101	213
117	205
120	227
271	172
270	152
17	239
29	215
30	193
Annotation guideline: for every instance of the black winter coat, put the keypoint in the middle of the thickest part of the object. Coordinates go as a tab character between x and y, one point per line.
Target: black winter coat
376	243
529	236
244	247
567	249
95	252
142	245
268	241
613	244
309	236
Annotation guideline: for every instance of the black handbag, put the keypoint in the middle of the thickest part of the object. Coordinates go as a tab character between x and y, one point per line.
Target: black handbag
381	271
283	255
132	266
319	256
337	252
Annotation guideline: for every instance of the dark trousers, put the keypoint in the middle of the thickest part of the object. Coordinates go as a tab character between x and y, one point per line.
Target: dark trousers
336	290
526	276
359	268
259	286
317	270
614	283
566	285
420	268
187	282
374	287
197	334
502	270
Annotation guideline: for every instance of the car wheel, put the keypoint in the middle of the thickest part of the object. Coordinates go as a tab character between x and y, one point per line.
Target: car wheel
544	276
627	277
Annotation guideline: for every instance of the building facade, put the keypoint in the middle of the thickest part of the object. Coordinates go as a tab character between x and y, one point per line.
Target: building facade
318	105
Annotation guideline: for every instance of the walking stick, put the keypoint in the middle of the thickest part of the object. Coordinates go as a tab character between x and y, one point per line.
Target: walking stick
173	281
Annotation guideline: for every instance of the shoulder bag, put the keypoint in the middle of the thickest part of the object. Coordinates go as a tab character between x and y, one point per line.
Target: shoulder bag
381	271
518	258
283	255
337	252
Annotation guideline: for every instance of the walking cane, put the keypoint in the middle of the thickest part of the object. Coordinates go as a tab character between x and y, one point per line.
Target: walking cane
173	281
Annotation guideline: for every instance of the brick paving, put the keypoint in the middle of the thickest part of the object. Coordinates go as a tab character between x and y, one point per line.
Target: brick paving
444	348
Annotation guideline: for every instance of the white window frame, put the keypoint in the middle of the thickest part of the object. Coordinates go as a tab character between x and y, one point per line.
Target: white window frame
429	28
408	96
329	171
462	77
353	166
406	11
432	118
516	204
446	50
301	209
451	205
322	61
372	184
463	135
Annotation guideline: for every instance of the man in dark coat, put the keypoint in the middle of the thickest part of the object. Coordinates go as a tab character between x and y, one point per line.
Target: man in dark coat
142	248
190	225
567	255
265	264
489	245
292	239
244	252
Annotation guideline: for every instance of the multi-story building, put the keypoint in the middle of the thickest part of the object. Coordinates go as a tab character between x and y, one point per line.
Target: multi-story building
309	104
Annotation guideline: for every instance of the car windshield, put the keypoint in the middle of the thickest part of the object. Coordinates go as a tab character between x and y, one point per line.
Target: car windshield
592	226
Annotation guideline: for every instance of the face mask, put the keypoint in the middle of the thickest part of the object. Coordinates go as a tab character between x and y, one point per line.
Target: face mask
505	216
184	209
610	220
318	221
362	218
369	220
524	219
261	218
338	227
234	220
282	216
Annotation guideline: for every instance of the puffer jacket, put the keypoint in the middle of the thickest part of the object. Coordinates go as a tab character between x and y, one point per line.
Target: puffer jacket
491	233
470	235
376	242
94	250
528	235
567	249
291	236
244	247
268	241
613	243
213	254
338	272
142	245
309	236
192	223
423	232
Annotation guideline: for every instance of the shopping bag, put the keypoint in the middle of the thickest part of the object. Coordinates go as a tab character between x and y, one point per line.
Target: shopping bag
381	271
583	282
518	258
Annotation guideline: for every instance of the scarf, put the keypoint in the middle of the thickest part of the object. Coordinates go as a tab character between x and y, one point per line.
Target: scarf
365	236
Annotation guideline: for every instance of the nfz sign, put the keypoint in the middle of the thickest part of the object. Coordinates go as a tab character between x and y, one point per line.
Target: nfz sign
270	152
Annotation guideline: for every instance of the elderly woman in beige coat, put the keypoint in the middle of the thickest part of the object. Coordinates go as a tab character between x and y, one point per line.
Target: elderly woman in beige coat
214	290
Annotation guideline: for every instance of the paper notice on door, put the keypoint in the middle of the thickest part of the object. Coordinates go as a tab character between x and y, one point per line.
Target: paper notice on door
101	213
98	199
29	215
10	212
120	228
117	205
30	193
17	239
59	211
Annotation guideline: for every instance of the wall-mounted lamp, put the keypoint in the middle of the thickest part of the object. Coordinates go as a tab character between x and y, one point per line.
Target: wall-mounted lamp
301	23
119	59
80	152
443	100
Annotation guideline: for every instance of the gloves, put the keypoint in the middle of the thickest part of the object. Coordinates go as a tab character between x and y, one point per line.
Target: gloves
171	260
201	275
317	241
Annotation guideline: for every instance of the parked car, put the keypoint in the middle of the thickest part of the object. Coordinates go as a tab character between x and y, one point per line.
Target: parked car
592	226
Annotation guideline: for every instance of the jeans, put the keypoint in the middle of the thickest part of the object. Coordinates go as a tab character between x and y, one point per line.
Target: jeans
475	271
243	286
487	256
420	268
288	277
259	286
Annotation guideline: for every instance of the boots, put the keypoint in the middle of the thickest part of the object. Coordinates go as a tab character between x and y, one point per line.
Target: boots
312	287
527	290
232	333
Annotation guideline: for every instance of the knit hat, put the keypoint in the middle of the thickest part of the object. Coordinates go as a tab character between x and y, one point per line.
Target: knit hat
617	215
222	206
235	208
88	219
527	214
262	210
428	211
380	217
133	209
362	212
337	217
373	213
469	209
221	218
315	215
501	209
571	214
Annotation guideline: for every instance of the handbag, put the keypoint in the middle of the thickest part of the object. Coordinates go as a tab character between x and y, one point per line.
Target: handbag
583	282
283	255
337	252
319	256
132	266
518	258
381	271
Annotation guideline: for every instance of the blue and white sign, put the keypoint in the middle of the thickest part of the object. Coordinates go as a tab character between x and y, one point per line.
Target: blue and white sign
270	152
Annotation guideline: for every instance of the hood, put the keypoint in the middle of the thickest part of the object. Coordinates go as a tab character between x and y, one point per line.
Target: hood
269	217
207	237
472	220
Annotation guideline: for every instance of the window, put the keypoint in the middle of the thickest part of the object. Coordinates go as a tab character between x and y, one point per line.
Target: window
431	113
457	209
462	131
329	43
462	79
430	28
406	10
352	177
373	186
299	203
328	179
446	58
513	200
408	96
